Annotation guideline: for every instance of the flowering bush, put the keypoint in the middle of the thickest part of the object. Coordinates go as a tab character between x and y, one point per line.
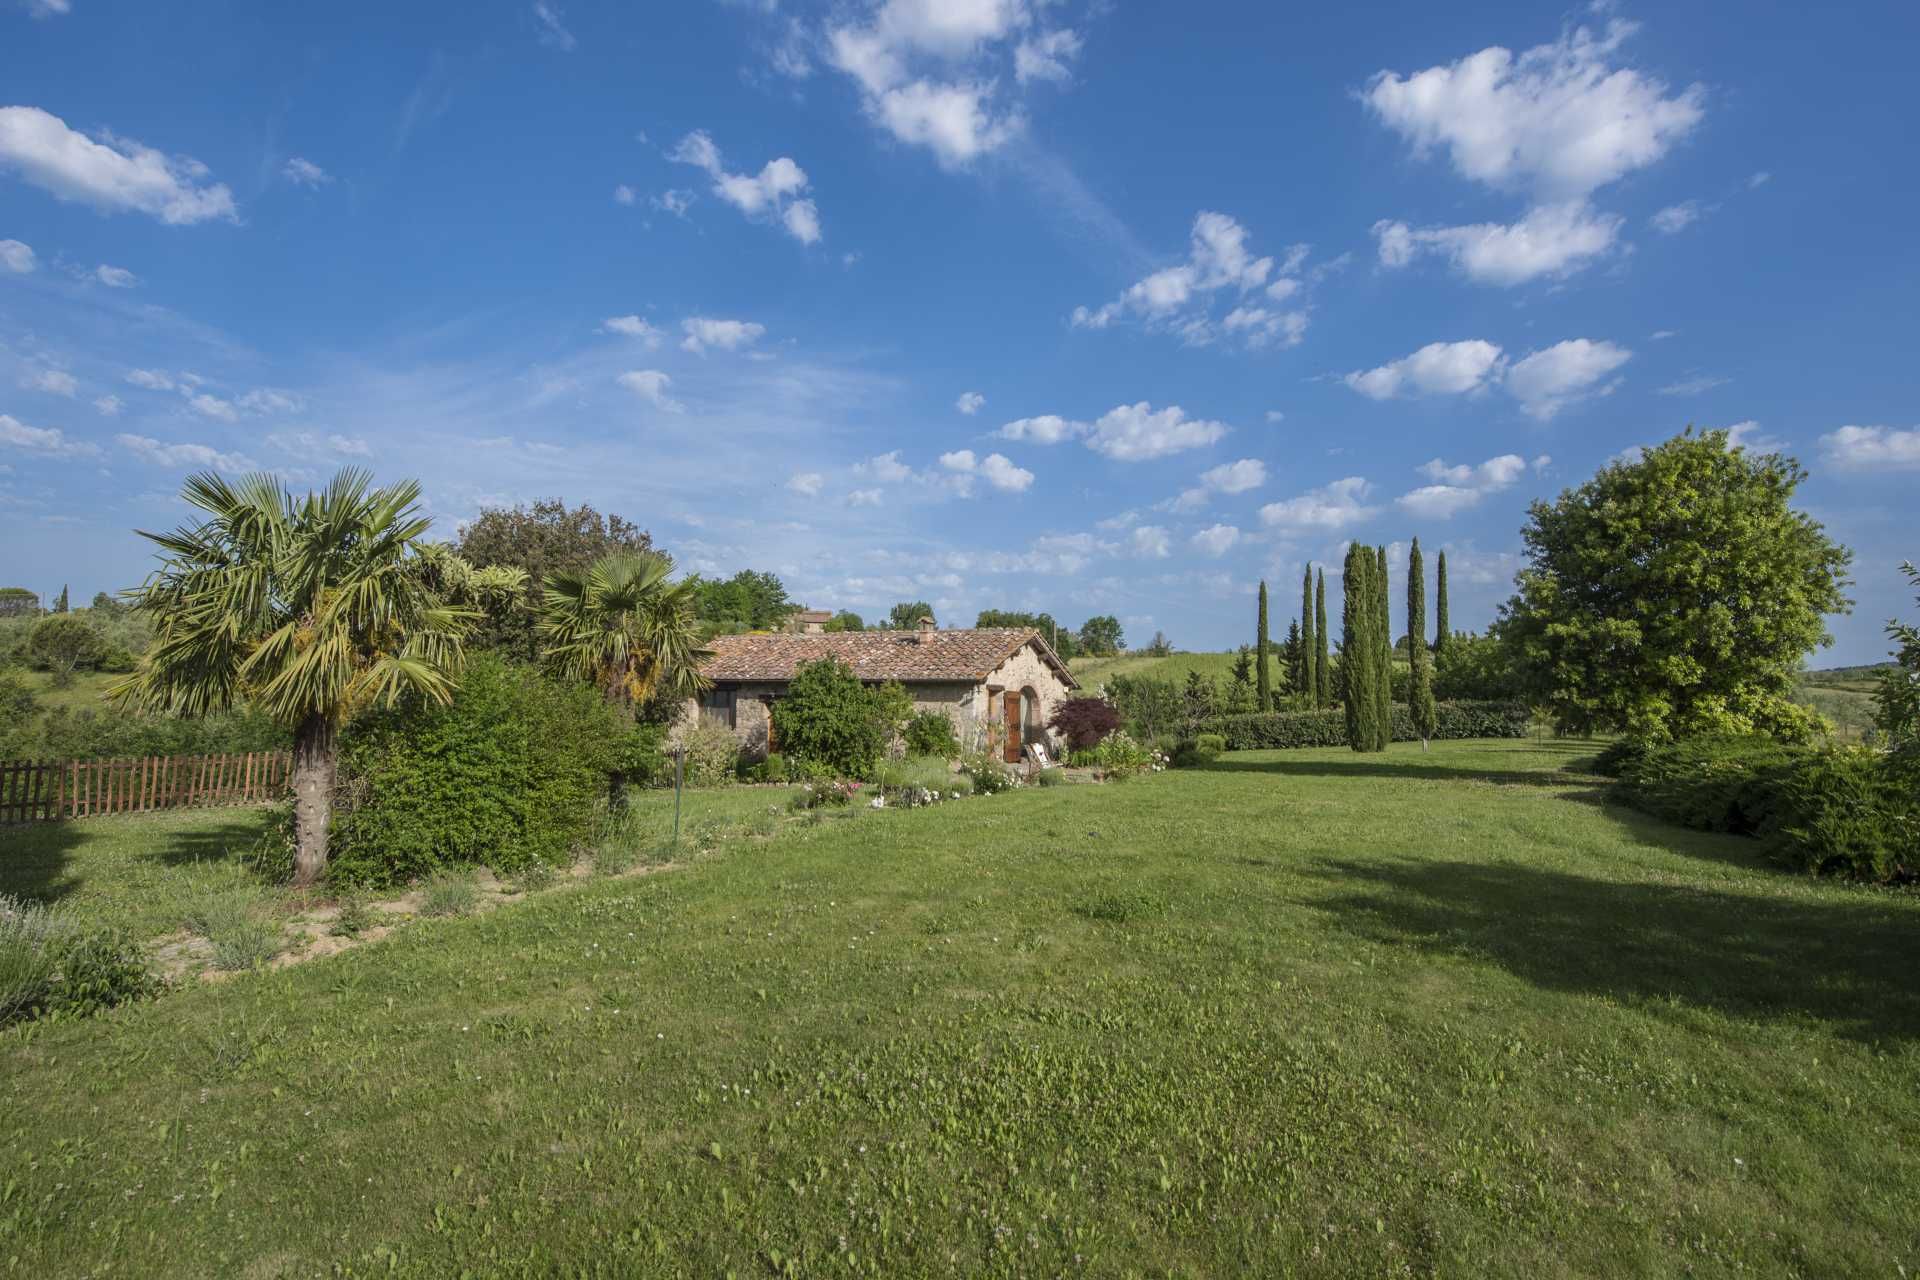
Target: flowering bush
1122	756
826	795
987	775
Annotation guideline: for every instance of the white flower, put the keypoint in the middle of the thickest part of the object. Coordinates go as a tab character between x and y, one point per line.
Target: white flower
879	802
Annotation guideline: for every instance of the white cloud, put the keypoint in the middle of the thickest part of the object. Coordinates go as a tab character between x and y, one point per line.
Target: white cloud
1694	385
147	449
1760	179
703	332
1546	381
115	277
16	257
624	194
265	400
996	469
1236	477
151	379
49	442
1047	428
1558	118
313	446
112	174
634	327
211	406
110	406
864	498
952	120
1882	448
49	8
1045	56
1749	436
553	30
772	193
1138	432
1179	299
1333	506
1152	541
958	460
969	402
1439	368
1552	241
1275	416
55	382
886	468
807	482
305	173
1217	540
650	385
1661	335
1677	217
675	201
1458	487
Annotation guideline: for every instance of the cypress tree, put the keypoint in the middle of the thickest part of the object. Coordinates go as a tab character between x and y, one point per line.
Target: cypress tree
1420	685
1306	682
1358	647
60	605
1383	651
1442	634
1322	659
1293	651
1263	682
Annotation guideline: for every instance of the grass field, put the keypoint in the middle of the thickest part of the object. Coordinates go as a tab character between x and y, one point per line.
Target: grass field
1214	666
88	690
1302	1013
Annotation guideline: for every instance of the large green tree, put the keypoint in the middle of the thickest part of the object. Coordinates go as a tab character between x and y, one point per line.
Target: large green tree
1382	651
626	627
545	538
1304	681
1263	679
1359	646
751	600
1676	594
1064	642
309	609
1322	644
1420	683
1101	637
1442	624
1898	715
62	643
906	615
845	620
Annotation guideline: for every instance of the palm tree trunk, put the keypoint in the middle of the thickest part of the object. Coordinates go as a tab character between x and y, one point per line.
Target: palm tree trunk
313	772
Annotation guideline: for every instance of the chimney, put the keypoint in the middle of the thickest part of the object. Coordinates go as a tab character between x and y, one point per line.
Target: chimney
925	624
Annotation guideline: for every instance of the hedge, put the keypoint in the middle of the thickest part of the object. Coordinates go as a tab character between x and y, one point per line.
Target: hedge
1328	727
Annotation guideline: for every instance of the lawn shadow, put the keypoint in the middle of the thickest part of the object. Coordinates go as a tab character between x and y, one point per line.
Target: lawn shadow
1845	961
34	860
49	861
223	842
1401	767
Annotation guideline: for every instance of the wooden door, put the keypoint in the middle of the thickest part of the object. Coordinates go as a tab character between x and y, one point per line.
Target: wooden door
1012	699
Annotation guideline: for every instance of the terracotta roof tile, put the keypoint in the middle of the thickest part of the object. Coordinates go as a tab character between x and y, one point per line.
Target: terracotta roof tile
969	655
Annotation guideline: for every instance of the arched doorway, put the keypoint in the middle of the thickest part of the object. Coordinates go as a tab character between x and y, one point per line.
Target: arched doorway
1021	719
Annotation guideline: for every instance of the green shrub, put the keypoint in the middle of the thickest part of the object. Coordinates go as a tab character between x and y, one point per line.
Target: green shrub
774	768
824	795
247	944
1846	811
537	876
353	916
712	756
514	769
829	718
930	733
640	756
1198	750
1328	727
1050	777
1119	756
29	956
99	969
985	775
448	893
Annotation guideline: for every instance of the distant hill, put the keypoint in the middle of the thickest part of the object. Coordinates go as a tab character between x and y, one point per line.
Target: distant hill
1091	672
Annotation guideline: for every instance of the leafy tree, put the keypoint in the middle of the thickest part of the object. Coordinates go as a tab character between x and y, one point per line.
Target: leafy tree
1063	641
543	539
1383	649
1442	626
63	643
1100	636
1475	668
106	604
906	615
1322	660
1241	697
1899	697
930	733
1263	682
1083	722
845	620
1293	656
1303	664
1420	689
1200	700
18	602
60	603
311	610
748	601
829	718
1160	646
1676	595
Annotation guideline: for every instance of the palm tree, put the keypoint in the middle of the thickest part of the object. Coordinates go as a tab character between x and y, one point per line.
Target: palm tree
623	626
309	609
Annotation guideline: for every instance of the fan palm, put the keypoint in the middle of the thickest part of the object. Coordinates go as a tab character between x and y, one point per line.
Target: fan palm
310	609
623	626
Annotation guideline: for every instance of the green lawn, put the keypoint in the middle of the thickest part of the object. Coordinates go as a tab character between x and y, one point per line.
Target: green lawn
1302	1013
1091	672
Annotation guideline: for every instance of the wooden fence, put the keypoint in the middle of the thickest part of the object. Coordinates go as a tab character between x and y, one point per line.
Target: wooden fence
35	791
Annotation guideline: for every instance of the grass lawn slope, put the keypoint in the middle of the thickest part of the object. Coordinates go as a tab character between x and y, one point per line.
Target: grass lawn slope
1302	1013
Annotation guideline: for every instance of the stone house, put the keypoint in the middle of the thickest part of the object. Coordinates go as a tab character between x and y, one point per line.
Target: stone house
999	685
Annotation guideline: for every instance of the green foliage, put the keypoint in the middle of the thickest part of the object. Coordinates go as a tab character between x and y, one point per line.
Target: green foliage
1200	700
1150	708
18	602
985	775
1360	643
242	936
1420	677
906	615
511	770
1328	727
748	601
1442	622
1676	595
1322	659
29	942
832	720
1121	755
1841	810
1062	639
540	540
1300	642
1198	750
99	968
712	756
836	793
1475	668
1898	697
63	643
353	915
623	626
845	620
930	733
1263	682
448	893
1100	636
63	733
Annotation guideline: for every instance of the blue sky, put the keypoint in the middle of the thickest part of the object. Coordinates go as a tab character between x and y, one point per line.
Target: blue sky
997	303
